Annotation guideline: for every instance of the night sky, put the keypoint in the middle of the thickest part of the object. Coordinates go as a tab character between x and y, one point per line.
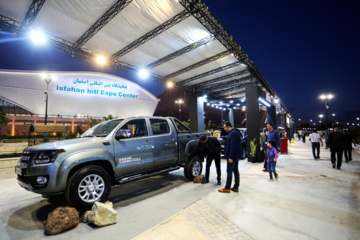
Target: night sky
303	49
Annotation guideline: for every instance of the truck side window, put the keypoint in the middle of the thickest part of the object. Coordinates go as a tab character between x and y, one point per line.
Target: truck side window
137	128
159	126
181	127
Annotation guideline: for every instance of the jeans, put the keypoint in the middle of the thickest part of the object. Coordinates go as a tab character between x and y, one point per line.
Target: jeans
339	153
316	145
271	168
209	160
232	168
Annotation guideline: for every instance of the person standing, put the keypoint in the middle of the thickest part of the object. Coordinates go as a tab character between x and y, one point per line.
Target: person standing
349	140
273	135
271	160
315	140
337	144
232	154
303	135
264	148
209	147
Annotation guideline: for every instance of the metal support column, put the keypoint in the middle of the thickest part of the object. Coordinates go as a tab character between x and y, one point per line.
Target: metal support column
229	116
271	115
196	113
253	93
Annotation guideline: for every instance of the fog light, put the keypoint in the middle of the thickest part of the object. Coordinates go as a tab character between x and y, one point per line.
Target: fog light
41	180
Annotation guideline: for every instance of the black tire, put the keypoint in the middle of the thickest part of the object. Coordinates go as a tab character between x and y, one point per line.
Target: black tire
189	167
96	173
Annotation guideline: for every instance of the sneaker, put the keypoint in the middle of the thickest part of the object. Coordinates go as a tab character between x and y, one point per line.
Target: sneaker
219	182
264	170
318	157
224	190
277	176
270	180
234	189
333	165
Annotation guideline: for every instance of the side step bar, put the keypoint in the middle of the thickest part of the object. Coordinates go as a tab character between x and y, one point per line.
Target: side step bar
145	175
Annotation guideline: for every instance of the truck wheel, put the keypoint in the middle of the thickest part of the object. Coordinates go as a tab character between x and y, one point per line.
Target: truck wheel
192	168
88	185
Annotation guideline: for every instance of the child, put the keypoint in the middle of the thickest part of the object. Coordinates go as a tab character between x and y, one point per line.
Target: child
272	156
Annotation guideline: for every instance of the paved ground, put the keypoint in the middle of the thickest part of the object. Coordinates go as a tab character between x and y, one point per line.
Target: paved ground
310	201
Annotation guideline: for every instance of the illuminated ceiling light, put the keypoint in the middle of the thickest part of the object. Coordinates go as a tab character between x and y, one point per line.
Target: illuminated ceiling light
143	73
208	104
238	104
276	100
227	105
231	101
101	60
220	102
220	108
243	100
37	37
204	96
244	65
217	106
170	84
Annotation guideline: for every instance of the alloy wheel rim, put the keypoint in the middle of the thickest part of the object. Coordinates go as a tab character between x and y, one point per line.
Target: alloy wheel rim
91	188
196	168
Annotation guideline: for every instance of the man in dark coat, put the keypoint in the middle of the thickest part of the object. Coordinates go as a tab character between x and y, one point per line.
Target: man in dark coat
232	154
349	140
337	144
209	147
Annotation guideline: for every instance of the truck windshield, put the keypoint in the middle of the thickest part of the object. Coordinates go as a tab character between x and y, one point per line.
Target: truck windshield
102	129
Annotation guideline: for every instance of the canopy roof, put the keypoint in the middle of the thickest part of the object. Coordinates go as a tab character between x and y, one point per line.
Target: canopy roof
177	40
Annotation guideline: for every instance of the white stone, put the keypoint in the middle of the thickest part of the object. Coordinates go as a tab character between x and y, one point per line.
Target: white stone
101	214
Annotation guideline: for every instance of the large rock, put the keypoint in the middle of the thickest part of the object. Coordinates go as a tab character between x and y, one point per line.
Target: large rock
101	214
61	219
198	179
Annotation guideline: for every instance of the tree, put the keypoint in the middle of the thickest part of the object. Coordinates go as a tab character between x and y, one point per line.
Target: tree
110	117
3	121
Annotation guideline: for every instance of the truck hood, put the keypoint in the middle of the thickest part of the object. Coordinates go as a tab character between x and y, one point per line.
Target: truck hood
65	143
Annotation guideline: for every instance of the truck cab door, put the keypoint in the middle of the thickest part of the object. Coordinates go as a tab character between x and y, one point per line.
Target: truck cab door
133	152
164	140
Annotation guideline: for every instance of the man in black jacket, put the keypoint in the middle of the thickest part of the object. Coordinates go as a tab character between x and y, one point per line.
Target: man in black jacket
337	144
209	147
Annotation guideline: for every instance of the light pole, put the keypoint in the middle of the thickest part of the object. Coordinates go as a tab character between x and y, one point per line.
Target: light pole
326	98
47	79
179	102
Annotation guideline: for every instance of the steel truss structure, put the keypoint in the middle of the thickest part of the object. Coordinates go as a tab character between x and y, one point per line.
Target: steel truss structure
101	22
198	64
211	72
194	8
150	35
182	51
33	11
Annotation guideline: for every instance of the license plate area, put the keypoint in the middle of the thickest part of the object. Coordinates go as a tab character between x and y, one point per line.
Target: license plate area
18	171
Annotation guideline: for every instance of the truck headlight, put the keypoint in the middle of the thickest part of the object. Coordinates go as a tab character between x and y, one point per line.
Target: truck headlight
49	156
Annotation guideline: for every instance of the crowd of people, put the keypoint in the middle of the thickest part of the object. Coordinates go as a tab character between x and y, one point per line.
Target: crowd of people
209	147
339	142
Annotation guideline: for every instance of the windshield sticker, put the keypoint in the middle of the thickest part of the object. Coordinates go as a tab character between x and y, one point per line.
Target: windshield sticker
129	159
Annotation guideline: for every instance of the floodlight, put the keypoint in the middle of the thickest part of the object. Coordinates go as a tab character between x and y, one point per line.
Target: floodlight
143	73
37	37
101	59
170	84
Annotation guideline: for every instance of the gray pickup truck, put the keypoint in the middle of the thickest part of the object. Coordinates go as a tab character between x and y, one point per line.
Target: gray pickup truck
112	152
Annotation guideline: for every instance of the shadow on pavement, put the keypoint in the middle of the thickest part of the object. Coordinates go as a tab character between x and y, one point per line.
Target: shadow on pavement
33	217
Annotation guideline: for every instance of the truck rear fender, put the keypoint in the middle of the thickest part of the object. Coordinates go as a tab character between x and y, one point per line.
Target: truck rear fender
77	160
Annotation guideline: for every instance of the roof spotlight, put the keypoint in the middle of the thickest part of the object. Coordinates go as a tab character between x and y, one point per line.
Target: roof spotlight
143	73
37	37
101	60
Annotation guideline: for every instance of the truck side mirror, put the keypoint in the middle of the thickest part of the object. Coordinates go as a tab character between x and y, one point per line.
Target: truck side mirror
123	133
